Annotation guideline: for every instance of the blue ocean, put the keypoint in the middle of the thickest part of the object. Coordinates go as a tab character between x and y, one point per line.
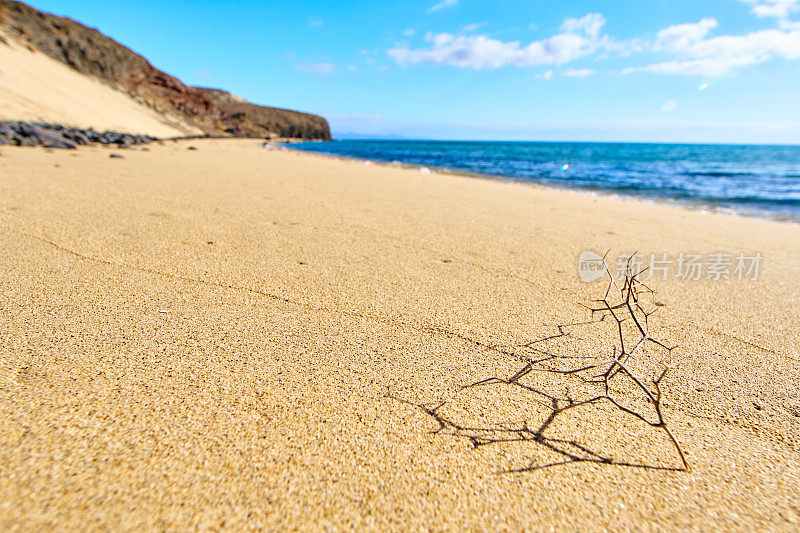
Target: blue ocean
759	181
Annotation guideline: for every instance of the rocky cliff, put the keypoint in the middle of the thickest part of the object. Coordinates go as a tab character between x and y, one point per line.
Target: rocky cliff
89	52
243	119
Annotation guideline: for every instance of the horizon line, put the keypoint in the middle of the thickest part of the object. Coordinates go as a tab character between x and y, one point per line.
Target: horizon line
398	138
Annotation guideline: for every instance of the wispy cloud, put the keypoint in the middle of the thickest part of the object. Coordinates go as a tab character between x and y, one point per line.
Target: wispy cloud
578	72
578	38
315	23
780	9
773	8
680	37
684	49
469	28
441	5
590	25
698	54
317	68
204	74
409	32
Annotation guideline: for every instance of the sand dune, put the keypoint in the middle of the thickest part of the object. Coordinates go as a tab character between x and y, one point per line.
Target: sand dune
35	87
237	338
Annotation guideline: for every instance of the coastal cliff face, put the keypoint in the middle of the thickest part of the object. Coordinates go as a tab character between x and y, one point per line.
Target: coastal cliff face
243	119
91	53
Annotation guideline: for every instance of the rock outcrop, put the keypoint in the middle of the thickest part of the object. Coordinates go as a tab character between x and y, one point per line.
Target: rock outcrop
243	119
56	136
89	52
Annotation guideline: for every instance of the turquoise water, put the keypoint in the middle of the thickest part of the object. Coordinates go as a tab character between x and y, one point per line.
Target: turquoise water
749	180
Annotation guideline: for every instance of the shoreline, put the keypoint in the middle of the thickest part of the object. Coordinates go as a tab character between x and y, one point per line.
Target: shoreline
695	206
287	145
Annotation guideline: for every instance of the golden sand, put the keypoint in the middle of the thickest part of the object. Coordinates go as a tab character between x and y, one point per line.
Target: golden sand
207	338
35	87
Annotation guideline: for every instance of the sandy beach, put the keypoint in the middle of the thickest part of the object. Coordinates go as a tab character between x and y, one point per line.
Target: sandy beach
35	87
240	338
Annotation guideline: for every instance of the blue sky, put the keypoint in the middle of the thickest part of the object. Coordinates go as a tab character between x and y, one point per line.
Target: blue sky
628	70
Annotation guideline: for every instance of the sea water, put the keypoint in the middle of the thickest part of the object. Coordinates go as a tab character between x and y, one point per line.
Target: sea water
746	179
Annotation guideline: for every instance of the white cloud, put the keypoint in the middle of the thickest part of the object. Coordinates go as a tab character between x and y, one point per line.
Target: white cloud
546	75
690	48
409	32
698	54
694	67
626	47
578	72
669	106
315	23
317	68
681	36
441	5
579	38
469	28
773	8
590	24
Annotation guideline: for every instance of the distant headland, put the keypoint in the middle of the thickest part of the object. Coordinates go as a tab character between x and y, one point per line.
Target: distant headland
26	34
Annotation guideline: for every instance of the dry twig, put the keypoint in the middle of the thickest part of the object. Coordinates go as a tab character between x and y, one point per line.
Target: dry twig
606	378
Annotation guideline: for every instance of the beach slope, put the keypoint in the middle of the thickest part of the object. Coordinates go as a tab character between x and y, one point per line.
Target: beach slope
34	87
241	338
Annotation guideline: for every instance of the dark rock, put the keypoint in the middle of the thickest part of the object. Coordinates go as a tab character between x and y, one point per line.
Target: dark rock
26	141
126	141
116	156
94	136
78	137
58	136
46	135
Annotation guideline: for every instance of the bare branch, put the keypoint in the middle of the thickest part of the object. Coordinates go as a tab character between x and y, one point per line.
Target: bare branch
623	367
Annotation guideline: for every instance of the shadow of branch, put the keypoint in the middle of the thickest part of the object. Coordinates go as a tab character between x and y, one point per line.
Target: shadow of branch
571	451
